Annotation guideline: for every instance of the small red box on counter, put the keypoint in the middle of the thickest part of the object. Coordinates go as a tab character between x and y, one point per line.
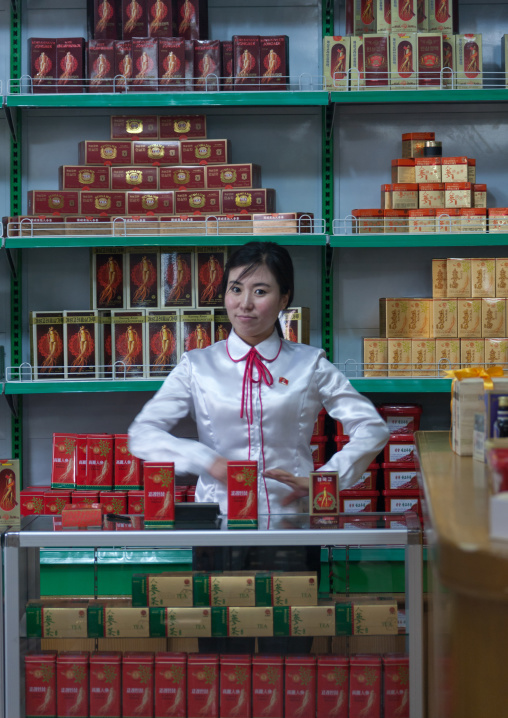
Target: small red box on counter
42	64
145	64
399	477
401	418
40	684
300	686
82	516
134	19
396	685
70	64
400	449
324	493
103	203
63	467
274	62
101	65
206	201
53	202
160	152
161	18
205	152
207	65
182	178
235	686
267	686
123	64
159	483
332	686
84	177
72	670
113	502
104	20
106	684
364	686
352	502
170	684
242	494
192	19
203	685
171	63
246	62
137	684
109	152
99	451
231	176
135	502
32	500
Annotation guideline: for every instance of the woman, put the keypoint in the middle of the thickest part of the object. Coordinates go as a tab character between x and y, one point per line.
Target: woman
256	396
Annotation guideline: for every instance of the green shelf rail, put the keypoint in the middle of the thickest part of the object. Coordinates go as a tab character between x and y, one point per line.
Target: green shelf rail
352	97
480	239
425	385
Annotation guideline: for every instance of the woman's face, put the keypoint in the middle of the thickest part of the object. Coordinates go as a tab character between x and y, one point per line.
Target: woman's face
253	303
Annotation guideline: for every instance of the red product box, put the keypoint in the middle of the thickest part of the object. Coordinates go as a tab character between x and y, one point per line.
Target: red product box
182	178
319	425
375	53
102	203
123	64
192	19
114	502
135	502
161	152
134	127
368	480
324	493
145	64
161	19
159	483
99	449
396	685
63	468
235	686
430	59
32	500
101	65
106	684
191	492
402	501
134	178
72	671
103	20
203	685
137	684
274	62
205	152
400	449
206	201
134	19
399	477
42	64
353	502
53	202
401	418
171	63
227	65
255	200
246	62
242	494
182	127
40	684
127	473
82	496
81	459
170	684
180	494
82	516
332	686
300	686
109	152
83	177
318	448
231	176
141	202
70	64
364	686
207	64
267	686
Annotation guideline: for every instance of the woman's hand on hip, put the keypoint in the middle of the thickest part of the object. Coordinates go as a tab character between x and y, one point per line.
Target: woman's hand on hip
299	484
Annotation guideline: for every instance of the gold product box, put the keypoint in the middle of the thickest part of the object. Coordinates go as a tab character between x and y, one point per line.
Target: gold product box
444	318
336	51
23	226
135	226
250	621
218	224
469	318
458	195
447	354
493	317
383	16
473	220
472	352
479	195
469	60
483	277
498	219
232	590
471	170
419	318
449	61
431	195
180	622
448	221
375	357
368	221
496	352
386	197
441	16
56	619
428	170
404	196
501	277
423	357
393	316
396	220
422	220
88	226
357	72
281	223
164	589
106	620
10	478
439	278
413	143
423	15
404	16
403	69
194	225
454	169
399	357
376	619
403	170
458	277
295	324
312	620
361	17
295	588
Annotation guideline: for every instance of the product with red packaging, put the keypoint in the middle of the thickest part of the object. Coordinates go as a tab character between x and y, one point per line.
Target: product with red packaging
235	686
134	19
137	684
400	449
319	425
114	502
300	686
364	686
42	64
40	684
55	501
246	62
127	474
170	684
106	684
101	65
182	127
352	502
85	497
205	152
161	21
396	685
274	62
205	201
203	685
227	65
70	64
267	686
77	516
72	669
111	152
100	458
171	59
318	448
156	152
32	500
63	468
145	64
192	19
123	64
135	502
401	418
159	482
207	64
242	494
401	501
332	686
103	20
324	493
182	178
367	480
248	200
400	476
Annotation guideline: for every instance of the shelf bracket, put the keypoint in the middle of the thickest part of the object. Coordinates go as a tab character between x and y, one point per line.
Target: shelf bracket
12	264
329	131
14	5
12	402
11	113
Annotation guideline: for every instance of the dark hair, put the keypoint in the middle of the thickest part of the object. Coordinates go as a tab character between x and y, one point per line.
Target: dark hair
253	255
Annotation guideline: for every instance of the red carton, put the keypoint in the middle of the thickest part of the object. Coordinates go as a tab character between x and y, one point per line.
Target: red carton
396	685
127	475
139	203
430	59
227	65
182	178
205	152
161	20
106	684
32	500
161	152
102	203
210	270
246	62
192	19
145	64
300	686
123	64
108	282
235	686
135	502
353	502
267	686
231	176
82	516
134	19
110	152
99	448
113	502
207	64
182	127
242	494
81	496
399	477
134	127
159	482
206	201
72	669
143	279
163	340
401	418
367	480
134	178
103	20
83	177
365	686
63	468
400	449
375	52
137	684
203	685
255	200
332	686
402	501
70	64
177	278
80	458
171	684
274	62
40	684
55	501
53	202
42	64
171	62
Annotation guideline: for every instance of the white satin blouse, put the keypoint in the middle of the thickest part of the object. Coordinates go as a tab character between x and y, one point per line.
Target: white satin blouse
212	386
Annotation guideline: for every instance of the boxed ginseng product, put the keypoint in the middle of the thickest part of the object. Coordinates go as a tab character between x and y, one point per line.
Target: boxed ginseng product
332	686
274	62
422	12
113	502
368	221
247	621
137	684
431	195
159	483
106	684
448	354
56	500
134	127
383	16
72	681
145	225
281	223
458	277
375	357
164	589
182	178
449	61
230	224
197	328
312	620
472	352
300	686
444	317
357	72
163	340
396	685
203	685
441	16
448	220
501	277
376	61
103	20
42	64
57	618
246	62
469	317
161	18
180	622
423	357
149	202
123	64
63	465
53	202
128	342
496	352
177	285
127	473
109	152
360	17
493	317
242	487
101	65
473	219
209	268
255	200
222	325
139	178
336	50
227	66
439	278
116	618
207	64
403	170
134	18
454	169
191	19
364	686
182	127
413	143
40	683
422	220
47	345
399	357
145	65
498	219
32	500
235	686
10	481
76	177
268	685
108	278
172	64
205	152
294	588
430	59
479	195
103	203
157	152
231	176
170	684
42	226
404	196
99	466
428	170
70	64
205	201
81	344
393	316
404	16
228	589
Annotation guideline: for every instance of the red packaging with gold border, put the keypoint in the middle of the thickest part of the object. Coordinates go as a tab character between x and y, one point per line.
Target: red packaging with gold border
134	19
53	202
375	54
192	19
63	467
127	474
206	201
161	20
145	64
40	684
364	686
55	501
106	684
396	685
72	671
171	64
159	483
246	62
159	152
163	340
134	178
135	502
139	203
402	501
319	425
109	152
42	64
318	448
430	59
134	127
235	686
82	496
123	64
210	264
197	328
300	686
203	685
182	127
230	176
101	65
103	20
137	684
70	64
254	200
274	62
103	203
171	684
207	64
83	177
182	178
324	493
267	686
99	449
114	502
205	152
332	686
32	500
242	494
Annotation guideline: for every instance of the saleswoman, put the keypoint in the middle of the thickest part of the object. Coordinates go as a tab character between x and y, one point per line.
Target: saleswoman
256	396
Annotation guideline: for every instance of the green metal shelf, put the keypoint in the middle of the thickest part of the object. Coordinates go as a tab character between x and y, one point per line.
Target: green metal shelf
480	239
318	240
151	100
425	385
353	97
